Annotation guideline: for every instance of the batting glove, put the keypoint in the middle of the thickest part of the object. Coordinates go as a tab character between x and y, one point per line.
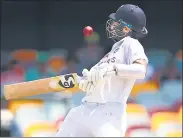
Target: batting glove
85	84
96	74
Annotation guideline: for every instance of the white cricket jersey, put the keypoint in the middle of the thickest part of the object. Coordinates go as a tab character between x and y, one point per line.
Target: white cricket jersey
116	88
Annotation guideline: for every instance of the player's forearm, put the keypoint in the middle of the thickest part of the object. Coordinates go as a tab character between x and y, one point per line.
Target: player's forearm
136	71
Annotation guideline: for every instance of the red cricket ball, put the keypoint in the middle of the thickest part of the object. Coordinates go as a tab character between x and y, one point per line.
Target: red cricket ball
87	31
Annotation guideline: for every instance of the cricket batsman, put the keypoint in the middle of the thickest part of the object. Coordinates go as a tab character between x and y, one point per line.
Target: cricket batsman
103	109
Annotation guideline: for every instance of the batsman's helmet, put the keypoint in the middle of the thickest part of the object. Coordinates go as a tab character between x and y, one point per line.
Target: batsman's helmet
130	16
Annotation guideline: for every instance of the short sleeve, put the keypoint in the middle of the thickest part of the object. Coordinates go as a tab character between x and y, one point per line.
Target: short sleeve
136	51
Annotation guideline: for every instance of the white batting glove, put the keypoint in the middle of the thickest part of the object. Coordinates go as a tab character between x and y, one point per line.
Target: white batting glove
97	74
85	84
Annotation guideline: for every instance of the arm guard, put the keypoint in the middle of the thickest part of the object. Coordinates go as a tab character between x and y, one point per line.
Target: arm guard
136	71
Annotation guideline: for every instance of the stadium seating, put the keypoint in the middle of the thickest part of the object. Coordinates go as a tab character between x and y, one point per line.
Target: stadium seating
40	128
160	109
152	100
168	118
27	115
59	121
42	56
178	61
55	110
177	105
139	131
56	64
153	109
6	119
158	58
137	115
25	55
168	127
32	73
172	90
138	121
13	105
174	134
148	86
180	114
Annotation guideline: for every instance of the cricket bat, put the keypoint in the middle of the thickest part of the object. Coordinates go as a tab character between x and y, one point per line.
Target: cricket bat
68	82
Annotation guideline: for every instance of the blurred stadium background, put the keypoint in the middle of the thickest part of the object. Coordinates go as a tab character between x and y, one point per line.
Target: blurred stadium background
43	39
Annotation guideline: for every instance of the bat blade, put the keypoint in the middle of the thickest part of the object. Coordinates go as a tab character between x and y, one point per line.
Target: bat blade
67	82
